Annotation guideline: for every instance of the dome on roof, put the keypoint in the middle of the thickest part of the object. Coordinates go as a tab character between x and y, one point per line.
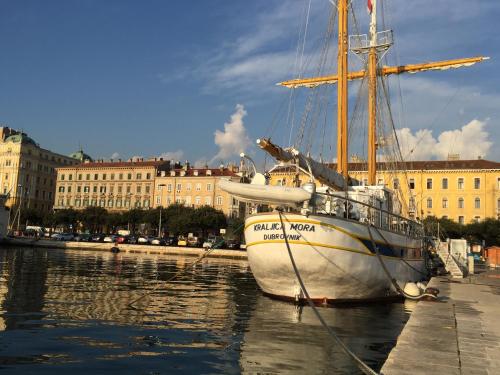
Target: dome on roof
80	155
20	138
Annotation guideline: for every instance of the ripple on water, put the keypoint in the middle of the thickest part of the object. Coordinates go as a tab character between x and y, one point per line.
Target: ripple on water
68	312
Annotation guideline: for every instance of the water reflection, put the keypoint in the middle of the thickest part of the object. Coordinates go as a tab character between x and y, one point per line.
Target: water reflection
66	309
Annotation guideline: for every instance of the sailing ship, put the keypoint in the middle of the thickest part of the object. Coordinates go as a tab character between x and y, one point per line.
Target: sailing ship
349	240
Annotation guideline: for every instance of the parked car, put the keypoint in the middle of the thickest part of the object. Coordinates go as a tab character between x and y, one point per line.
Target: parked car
63	236
158	241
144	240
98	237
181	241
194	241
110	238
170	241
233	244
83	237
214	243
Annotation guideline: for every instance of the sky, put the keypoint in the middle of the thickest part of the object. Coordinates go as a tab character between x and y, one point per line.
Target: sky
195	80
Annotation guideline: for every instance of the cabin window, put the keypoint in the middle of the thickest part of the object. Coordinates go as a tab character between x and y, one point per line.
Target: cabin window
444	183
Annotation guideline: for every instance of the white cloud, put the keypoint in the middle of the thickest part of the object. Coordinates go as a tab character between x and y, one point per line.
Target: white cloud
470	142
234	139
173	155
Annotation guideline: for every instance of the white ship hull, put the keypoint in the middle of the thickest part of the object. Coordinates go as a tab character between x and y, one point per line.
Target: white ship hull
335	257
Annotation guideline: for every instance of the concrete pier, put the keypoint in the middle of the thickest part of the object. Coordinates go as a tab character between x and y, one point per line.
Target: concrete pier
127	248
459	334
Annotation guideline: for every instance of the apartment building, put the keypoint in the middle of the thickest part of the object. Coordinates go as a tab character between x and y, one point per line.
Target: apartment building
28	171
461	190
113	185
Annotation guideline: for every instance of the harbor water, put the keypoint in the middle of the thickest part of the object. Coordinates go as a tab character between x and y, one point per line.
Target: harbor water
67	312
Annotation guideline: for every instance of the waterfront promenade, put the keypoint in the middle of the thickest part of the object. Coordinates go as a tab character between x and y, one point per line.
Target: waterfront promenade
459	334
129	248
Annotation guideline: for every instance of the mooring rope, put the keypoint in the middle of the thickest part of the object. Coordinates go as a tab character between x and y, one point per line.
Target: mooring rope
386	271
159	283
362	366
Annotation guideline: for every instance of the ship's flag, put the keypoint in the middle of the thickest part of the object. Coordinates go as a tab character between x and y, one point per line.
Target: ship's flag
369	6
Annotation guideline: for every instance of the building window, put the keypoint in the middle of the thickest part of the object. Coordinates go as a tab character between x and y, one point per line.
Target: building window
197	201
498	183
179	188
128	189
208	201
445	202
218	201
148	176
198	187
112	176
118	203
395	183
87	176
380	182
62	177
477	219
169	188
429	202
79	177
78	189
127	202
102	202
78	202
102	189
137	204
365	181
61	189
94	189
85	202
188	187
477	183
477	203
158	200
461	220
110	202
119	189
429	184
146	203
188	200
209	187
86	189
412	183
444	183
70	177
120	176
129	176
96	176
460	203
69	189
148	188
460	183
104	176
138	189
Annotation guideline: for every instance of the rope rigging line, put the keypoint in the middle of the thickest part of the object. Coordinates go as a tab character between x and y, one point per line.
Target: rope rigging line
388	274
361	365
179	273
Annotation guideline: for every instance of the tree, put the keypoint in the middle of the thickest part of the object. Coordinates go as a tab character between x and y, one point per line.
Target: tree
179	219
133	217
94	218
207	219
447	228
67	218
31	216
235	228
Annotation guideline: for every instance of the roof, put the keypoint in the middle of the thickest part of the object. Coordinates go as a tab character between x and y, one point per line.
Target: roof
118	164
80	155
20	138
202	172
420	165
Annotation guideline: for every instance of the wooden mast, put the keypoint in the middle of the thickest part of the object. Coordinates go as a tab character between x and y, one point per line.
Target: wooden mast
372	97
342	109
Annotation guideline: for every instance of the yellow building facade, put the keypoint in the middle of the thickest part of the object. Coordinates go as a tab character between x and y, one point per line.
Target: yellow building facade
198	187
461	190
27	171
113	185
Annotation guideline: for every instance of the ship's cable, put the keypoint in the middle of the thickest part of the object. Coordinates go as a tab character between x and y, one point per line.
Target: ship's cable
181	272
389	276
361	365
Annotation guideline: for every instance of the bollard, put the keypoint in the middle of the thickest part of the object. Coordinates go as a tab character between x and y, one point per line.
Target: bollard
470	261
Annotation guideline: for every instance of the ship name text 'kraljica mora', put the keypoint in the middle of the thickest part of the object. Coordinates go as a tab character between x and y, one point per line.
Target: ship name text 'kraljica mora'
350	240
